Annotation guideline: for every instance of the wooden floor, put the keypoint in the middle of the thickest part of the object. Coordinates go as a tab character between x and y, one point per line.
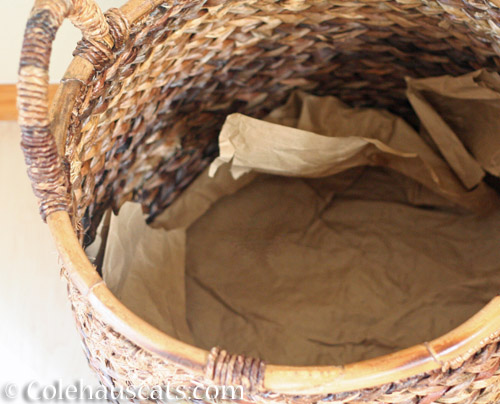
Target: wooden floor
8	93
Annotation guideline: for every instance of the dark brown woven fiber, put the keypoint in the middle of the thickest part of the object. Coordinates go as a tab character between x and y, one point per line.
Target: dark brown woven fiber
137	118
359	51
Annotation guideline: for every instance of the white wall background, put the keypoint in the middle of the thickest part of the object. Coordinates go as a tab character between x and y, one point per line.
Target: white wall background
13	17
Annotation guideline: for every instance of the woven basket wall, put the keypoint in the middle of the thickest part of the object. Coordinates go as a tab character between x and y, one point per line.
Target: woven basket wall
137	116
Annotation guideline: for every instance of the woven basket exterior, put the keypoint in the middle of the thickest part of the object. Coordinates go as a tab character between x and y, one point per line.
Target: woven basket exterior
119	363
147	124
147	121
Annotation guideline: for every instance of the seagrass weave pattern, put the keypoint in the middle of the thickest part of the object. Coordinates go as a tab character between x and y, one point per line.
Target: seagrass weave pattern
49	183
110	355
145	123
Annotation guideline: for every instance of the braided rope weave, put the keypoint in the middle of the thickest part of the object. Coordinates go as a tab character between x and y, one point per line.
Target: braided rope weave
118	362
48	176
145	124
158	107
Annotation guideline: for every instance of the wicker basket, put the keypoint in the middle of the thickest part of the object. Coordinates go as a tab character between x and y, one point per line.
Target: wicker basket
137	115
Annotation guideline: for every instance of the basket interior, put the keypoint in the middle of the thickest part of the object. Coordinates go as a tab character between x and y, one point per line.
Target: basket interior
146	125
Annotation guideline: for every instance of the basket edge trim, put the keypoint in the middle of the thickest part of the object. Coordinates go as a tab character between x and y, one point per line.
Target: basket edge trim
447	351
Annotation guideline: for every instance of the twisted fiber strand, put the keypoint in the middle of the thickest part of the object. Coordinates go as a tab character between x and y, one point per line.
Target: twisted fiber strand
88	17
118	362
104	104
45	168
100	54
146	125
119	26
44	164
84	14
125	91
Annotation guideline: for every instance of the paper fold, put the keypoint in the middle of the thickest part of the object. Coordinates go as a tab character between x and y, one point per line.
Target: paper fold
324	234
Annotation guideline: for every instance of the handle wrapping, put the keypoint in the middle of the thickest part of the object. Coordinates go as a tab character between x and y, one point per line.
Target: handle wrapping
45	168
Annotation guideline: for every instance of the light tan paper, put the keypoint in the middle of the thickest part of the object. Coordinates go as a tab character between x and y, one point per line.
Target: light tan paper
311	271
200	196
284	272
462	115
144	267
332	138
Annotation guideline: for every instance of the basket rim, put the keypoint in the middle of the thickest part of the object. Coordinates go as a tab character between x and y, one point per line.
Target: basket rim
442	353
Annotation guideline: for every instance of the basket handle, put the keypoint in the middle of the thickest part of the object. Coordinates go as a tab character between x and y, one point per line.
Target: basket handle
45	169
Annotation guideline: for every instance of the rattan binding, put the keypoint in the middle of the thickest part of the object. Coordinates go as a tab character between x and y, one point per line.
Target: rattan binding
136	118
